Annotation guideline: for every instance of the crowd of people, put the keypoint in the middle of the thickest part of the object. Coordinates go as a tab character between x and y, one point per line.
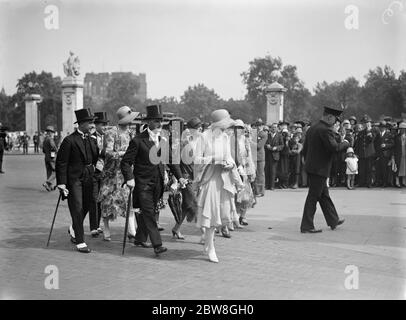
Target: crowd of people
219	169
375	157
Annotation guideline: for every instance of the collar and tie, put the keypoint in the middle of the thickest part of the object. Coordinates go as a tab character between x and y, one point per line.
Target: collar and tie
154	137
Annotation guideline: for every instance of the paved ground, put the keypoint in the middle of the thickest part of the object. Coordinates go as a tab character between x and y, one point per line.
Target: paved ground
257	263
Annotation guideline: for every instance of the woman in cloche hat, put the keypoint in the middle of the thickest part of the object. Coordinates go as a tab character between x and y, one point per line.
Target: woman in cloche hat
213	165
112	197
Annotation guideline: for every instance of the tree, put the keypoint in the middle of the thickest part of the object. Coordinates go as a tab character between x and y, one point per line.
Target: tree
381	94
121	91
337	94
50	88
200	101
240	109
261	73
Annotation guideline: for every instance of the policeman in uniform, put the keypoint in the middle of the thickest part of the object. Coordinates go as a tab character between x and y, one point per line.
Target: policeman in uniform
319	148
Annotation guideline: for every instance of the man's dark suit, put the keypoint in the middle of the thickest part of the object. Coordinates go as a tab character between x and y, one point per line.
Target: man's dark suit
75	163
272	158
149	185
384	155
49	149
319	147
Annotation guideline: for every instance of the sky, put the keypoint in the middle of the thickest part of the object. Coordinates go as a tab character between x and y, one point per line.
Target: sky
180	43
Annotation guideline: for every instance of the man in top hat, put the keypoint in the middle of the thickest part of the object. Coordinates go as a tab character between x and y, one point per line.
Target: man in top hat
364	149
143	171
384	144
319	147
75	165
50	149
100	123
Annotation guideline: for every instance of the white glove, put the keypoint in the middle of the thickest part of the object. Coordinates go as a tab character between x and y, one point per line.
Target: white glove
130	183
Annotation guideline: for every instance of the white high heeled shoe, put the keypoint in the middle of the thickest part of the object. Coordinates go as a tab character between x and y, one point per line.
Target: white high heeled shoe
212	256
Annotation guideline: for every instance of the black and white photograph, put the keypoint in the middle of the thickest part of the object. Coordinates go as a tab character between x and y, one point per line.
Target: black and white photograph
222	151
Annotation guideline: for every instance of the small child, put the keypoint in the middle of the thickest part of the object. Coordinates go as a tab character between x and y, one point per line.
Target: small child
352	167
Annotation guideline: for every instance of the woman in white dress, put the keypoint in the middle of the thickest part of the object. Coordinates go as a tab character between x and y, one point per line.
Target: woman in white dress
213	178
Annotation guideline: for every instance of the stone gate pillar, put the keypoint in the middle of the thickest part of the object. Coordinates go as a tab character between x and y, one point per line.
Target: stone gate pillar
31	113
274	102
72	99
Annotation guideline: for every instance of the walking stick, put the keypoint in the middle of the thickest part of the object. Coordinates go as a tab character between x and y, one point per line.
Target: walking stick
129	204
53	221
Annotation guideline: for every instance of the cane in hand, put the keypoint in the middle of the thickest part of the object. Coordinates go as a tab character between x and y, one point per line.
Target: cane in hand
129	205
53	221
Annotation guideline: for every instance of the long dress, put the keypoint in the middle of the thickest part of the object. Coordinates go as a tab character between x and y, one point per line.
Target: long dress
112	196
215	198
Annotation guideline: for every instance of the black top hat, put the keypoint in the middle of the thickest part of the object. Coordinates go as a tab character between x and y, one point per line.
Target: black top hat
194	123
101	117
335	111
154	112
83	115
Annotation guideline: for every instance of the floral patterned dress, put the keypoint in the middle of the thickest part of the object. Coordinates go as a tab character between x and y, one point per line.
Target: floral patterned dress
112	196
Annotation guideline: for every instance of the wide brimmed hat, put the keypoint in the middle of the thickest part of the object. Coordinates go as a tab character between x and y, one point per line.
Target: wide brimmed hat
346	121
353	118
154	112
194	123
84	115
126	115
50	129
101	117
221	119
402	125
239	124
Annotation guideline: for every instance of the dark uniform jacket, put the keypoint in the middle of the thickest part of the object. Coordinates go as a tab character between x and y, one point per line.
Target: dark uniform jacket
136	164
319	148
48	147
71	159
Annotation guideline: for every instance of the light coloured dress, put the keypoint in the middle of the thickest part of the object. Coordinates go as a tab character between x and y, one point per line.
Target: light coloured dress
112	196
215	198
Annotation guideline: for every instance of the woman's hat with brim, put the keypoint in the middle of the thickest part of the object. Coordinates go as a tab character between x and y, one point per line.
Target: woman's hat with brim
221	119
402	125
194	123
126	115
84	115
50	129
239	124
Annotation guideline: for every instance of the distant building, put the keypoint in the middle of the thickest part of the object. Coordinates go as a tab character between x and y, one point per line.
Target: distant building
95	85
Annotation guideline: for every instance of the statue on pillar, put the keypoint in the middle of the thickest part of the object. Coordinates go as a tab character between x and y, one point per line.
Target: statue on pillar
72	66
